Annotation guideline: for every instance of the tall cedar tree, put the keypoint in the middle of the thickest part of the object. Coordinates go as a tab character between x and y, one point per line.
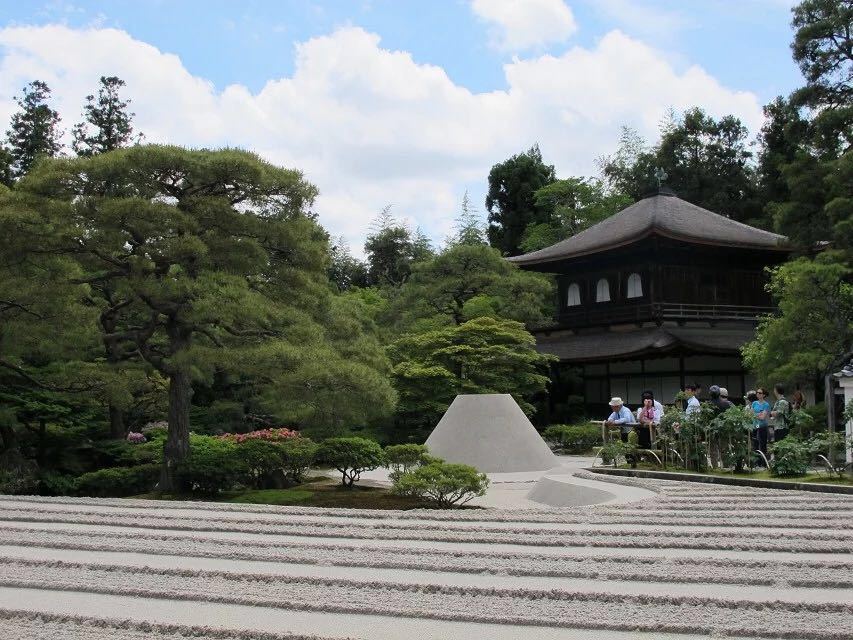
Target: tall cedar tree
211	243
34	130
106	125
511	200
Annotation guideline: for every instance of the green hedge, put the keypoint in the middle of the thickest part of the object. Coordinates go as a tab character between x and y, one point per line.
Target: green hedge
574	438
118	482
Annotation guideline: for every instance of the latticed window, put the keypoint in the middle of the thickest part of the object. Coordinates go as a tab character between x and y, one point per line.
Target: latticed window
573	296
602	291
635	286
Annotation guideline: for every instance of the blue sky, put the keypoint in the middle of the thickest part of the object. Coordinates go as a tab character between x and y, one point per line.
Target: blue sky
407	102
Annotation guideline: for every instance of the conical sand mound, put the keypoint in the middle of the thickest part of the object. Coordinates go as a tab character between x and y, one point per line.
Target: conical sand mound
491	433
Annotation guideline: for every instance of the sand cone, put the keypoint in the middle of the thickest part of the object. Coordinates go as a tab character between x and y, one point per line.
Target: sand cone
491	433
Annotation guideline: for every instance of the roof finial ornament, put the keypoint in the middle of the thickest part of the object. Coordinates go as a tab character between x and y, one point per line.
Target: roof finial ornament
660	176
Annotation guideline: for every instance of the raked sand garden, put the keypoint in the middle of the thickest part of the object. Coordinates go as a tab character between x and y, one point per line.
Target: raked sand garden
657	559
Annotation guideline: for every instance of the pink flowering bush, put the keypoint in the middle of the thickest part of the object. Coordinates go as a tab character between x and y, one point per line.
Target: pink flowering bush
134	437
272	435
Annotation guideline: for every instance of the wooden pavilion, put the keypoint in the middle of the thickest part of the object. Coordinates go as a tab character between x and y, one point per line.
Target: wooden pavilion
661	294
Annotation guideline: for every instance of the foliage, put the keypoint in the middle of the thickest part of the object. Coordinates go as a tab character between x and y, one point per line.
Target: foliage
576	204
791	457
272	435
402	458
707	162
213	465
814	325
483	355
823	48
802	423
351	456
511	200
447	286
731	431
444	483
134	437
345	271
614	450
118	482
297	456
392	250
469	230
108	118
832	446
574	438
34	130
217	266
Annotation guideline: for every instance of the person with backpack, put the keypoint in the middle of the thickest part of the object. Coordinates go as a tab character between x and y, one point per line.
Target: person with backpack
781	413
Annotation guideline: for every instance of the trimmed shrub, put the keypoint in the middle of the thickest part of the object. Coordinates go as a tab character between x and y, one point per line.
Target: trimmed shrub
213	465
298	455
574	438
791	457
404	457
118	482
444	483
56	484
351	456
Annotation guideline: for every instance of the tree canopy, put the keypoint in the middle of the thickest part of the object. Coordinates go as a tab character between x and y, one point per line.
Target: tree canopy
34	130
511	200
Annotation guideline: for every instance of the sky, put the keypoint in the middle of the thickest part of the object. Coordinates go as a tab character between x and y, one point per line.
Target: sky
406	103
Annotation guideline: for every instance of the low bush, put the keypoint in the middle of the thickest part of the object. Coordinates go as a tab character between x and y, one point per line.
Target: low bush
118	482
298	455
56	484
404	457
574	438
444	483
213	465
791	457
351	456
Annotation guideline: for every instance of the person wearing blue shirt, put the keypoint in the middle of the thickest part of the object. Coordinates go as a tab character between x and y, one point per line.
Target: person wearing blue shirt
621	416
761	410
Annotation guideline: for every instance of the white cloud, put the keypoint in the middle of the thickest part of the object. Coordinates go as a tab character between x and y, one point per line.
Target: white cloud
520	25
644	18
370	126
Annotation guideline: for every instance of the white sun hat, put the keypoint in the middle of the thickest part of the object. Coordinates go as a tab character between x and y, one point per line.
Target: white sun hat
615	401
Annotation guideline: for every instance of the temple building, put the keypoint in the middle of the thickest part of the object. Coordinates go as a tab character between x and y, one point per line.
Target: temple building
660	294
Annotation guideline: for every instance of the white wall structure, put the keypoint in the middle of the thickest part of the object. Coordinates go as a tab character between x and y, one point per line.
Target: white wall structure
490	432
846	384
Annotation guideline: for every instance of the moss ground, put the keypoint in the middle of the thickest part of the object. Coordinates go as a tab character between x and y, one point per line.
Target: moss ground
318	492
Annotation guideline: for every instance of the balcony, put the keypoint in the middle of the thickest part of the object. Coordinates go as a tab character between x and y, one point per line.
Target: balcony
609	313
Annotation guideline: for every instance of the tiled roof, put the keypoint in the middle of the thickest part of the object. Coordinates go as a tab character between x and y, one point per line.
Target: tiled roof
663	214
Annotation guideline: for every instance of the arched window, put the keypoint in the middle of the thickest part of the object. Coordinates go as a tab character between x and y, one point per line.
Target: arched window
602	291
573	296
635	286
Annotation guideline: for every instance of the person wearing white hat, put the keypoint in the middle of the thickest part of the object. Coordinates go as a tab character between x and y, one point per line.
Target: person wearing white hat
621	416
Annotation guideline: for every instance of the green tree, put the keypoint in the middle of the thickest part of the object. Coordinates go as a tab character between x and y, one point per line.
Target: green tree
345	270
351	456
469	229
34	130
814	327
511	201
483	355
823	48
577	204
216	246
706	161
467	280
392	250
106	125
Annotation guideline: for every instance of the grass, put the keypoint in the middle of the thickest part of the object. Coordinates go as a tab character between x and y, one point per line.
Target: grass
317	492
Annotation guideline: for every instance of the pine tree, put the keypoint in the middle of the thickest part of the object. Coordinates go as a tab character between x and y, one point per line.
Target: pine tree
107	123
34	130
469	230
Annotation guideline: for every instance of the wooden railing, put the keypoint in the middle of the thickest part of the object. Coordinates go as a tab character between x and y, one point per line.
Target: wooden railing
658	312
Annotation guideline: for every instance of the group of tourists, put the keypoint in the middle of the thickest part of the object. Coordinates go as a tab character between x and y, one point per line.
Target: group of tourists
770	423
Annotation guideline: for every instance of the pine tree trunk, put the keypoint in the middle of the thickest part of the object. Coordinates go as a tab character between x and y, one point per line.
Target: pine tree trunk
117	428
180	396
